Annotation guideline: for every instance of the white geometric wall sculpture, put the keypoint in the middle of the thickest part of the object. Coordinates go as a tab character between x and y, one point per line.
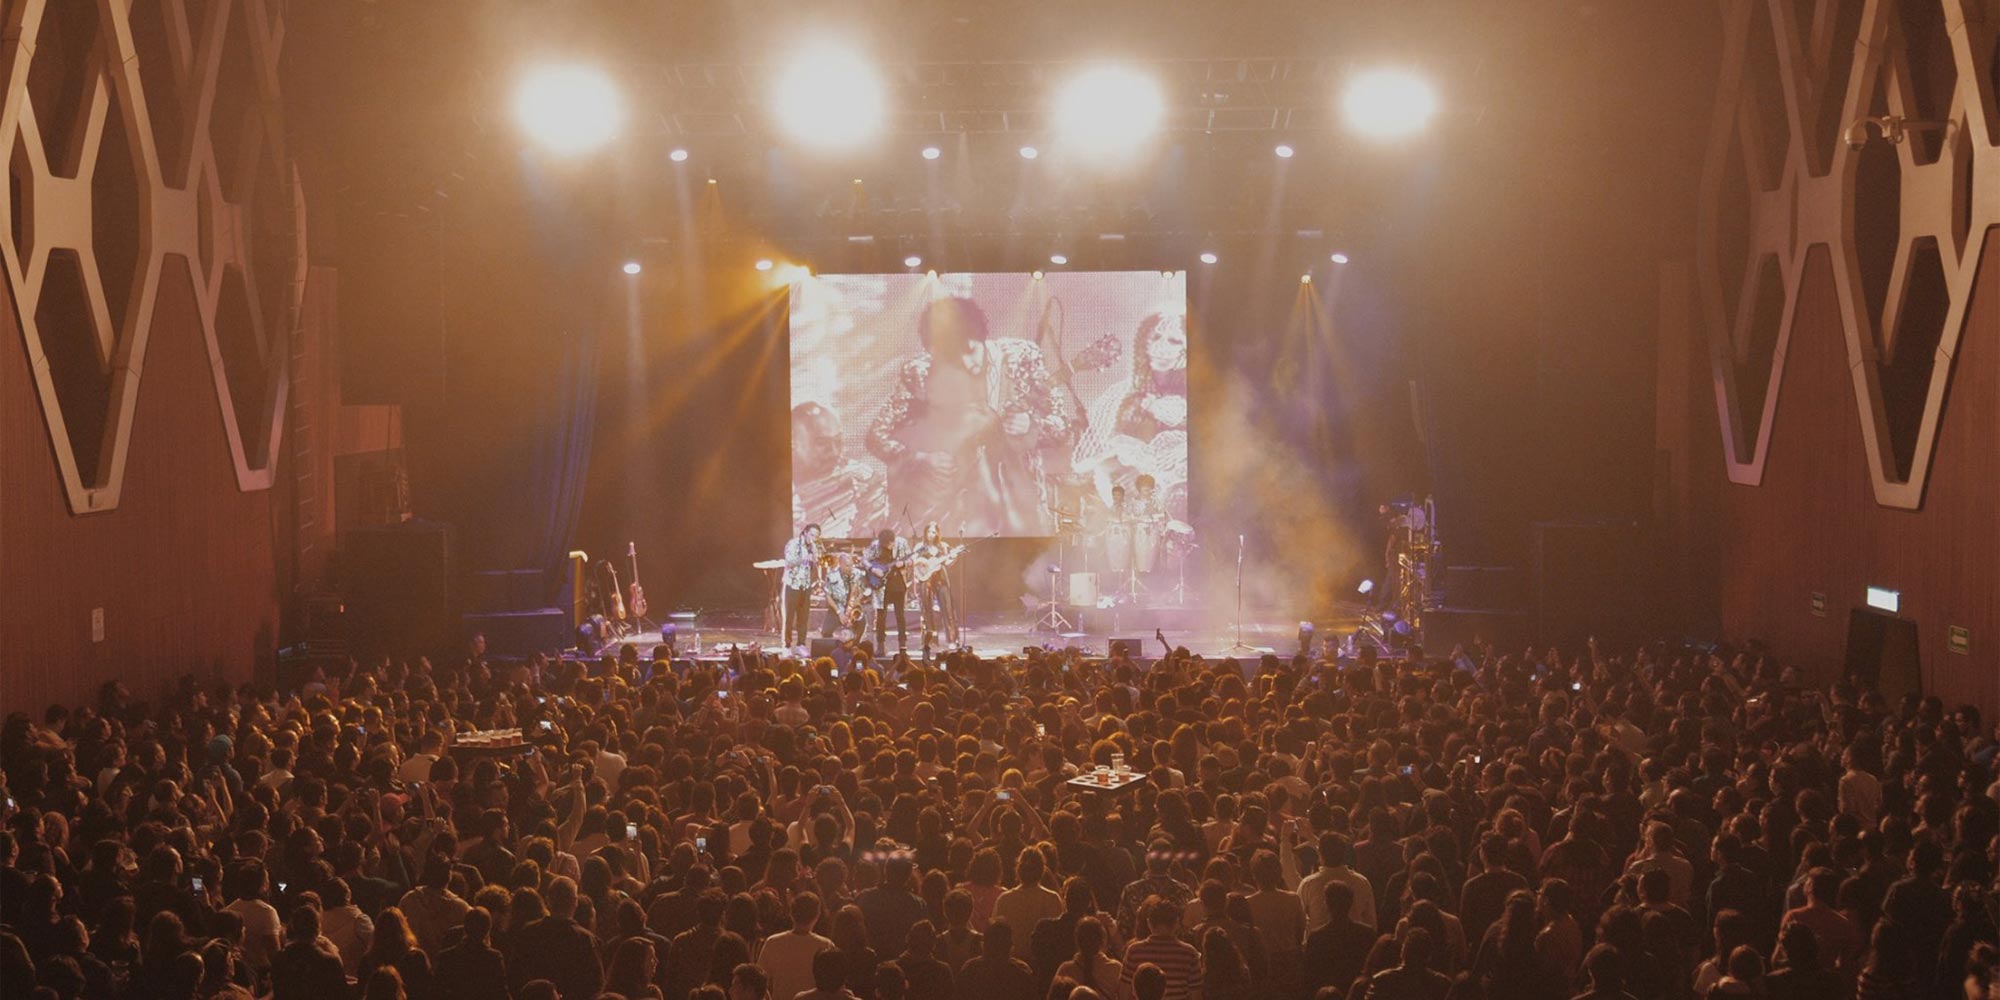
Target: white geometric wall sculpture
1946	207
180	122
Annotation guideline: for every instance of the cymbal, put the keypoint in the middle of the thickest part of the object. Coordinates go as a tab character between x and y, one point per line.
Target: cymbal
768	564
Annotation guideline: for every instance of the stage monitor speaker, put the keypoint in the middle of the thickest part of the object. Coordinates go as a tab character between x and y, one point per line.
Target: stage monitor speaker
1883	653
494	591
397	581
1483	587
823	646
520	634
1588	579
1134	648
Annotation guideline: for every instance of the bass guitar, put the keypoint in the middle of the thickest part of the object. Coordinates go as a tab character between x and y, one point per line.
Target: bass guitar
637	601
879	570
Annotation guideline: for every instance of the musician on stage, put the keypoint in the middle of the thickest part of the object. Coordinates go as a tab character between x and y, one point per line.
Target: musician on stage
884	558
936	590
801	568
962	432
1146	502
846	597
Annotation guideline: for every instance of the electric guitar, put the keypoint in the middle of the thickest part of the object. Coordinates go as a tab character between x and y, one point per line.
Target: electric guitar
638	600
923	569
878	570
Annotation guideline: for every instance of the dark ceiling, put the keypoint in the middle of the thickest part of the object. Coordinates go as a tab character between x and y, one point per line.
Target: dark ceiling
415	96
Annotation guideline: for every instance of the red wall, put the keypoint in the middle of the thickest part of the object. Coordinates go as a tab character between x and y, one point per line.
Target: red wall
188	569
1813	524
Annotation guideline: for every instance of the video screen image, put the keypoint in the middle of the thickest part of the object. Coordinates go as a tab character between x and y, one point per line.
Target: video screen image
992	404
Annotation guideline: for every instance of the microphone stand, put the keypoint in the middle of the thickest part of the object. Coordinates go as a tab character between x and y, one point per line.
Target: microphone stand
1239	646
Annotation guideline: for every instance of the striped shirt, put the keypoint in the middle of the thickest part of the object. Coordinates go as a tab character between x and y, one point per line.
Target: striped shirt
1175	957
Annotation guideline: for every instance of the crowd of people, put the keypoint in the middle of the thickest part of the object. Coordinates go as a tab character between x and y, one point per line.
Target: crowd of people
1669	824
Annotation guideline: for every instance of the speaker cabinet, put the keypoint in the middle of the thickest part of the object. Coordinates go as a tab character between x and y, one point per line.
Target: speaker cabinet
397	581
1588	578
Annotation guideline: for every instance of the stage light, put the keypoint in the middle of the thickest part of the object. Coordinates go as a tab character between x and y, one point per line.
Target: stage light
1038	275
1058	259
829	98
1169	275
932	152
1339	258
1388	103
1029	152
631	267
678	156
1109	110
1284	151
763	265
711	180
1306	278
568	109
1208	257
1367	587
913	261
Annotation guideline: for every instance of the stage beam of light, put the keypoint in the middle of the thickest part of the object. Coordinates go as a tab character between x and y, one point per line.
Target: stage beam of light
1388	104
568	109
829	98
1106	114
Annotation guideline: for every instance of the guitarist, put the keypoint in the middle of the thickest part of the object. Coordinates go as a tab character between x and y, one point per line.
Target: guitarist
935	591
963	431
885	558
801	564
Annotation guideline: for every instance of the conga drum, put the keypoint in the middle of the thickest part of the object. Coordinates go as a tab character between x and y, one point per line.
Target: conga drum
1118	546
1146	545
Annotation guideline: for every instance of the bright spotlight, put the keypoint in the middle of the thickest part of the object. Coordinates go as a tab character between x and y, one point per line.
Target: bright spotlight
568	109
1284	151
829	98
631	267
1306	278
678	156
1340	258
1366	587
1388	103
1038	275
913	261
1209	258
1029	152
1058	259
763	265
932	152
1109	110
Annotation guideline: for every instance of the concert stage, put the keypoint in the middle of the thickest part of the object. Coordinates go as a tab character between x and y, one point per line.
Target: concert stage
1203	632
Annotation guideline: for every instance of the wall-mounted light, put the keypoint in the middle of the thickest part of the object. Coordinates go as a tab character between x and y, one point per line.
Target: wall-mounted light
1894	128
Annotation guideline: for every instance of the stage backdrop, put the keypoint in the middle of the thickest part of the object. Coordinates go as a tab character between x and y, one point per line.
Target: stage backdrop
980	401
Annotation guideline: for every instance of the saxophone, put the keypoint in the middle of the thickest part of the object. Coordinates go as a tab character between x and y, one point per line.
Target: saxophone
855	595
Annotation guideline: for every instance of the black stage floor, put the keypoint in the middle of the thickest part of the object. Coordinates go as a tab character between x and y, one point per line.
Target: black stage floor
992	634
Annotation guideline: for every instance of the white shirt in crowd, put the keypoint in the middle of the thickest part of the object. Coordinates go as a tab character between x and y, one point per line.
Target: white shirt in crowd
1312	893
787	957
351	932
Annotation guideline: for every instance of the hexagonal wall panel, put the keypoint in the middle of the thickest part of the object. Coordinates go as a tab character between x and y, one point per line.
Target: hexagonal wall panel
112	164
1905	223
1902	354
